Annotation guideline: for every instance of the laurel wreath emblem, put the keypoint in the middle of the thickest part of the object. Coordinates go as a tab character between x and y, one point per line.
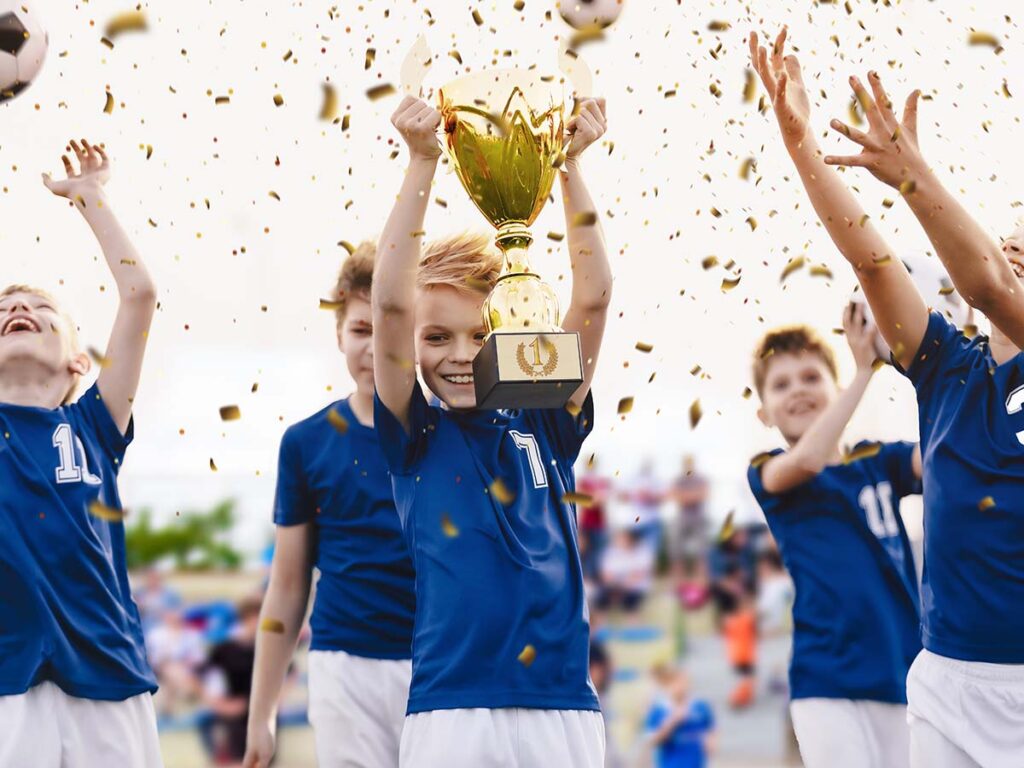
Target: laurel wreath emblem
548	368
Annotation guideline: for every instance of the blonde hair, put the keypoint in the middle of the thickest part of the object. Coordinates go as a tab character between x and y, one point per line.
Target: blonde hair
465	261
355	278
74	345
792	340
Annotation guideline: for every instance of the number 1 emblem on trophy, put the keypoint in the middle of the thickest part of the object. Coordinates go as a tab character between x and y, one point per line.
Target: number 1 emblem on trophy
503	131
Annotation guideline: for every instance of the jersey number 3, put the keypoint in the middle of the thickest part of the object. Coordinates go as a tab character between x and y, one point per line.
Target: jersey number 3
527	442
68	471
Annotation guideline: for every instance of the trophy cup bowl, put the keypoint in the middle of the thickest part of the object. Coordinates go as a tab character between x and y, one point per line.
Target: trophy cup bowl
503	132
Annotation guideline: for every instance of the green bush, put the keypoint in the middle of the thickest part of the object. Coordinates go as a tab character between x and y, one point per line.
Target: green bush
192	540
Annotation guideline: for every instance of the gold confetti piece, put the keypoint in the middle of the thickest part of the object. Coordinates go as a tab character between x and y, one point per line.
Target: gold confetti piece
797	262
715	90
455	55
643	347
728	529
984	38
556	236
585	219
519	5
109	106
853	112
719	26
222	100
448	527
380	91
570	497
527	656
347	246
749	86
887	203
278	99
107	42
129	21
1006	91
695	413
213	465
625	406
230	413
820	270
863	220
946	290
337	421
746	167
477	18
747	392
272	625
331	305
371	54
986	504
98	357
728	283
709	261
149	151
274	195
863	452
760	459
752	222
501	492
103	512
970	330
573	409
908	187
329	109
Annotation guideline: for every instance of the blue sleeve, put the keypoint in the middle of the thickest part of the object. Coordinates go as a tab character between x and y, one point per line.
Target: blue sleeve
293	502
404	451
944	350
655	717
768	501
92	414
565	431
898	459
706	715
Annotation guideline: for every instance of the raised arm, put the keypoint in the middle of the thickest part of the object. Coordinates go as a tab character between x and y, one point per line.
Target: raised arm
818	446
899	309
284	609
398	255
122	363
591	273
980	271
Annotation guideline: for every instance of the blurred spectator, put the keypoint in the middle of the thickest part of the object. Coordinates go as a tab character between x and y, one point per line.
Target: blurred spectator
688	539
601	676
644	496
153	597
627	573
227	683
738	624
593	519
775	596
681	729
175	652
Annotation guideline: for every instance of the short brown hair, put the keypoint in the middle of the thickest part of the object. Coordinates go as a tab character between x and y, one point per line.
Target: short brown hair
73	339
792	340
355	278
465	261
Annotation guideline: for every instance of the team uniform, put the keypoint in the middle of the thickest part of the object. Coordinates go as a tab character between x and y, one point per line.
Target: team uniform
75	686
500	651
359	662
966	689
856	622
684	748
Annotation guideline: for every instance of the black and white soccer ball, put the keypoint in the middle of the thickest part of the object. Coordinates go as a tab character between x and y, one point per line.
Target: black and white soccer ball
23	43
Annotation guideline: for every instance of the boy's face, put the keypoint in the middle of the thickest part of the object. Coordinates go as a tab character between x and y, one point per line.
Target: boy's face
34	332
1013	248
355	340
798	387
449	333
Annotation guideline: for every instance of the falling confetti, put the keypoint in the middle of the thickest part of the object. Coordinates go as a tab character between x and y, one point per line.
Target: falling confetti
862	452
794	264
527	656
276	626
584	219
728	529
109	106
98	357
643	347
213	465
337	421
129	21
329	109
380	92
501	492
103	512
625	406
570	497
448	527
986	504
230	413
695	414
984	38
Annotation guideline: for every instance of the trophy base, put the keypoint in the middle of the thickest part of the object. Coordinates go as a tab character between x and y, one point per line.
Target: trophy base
528	370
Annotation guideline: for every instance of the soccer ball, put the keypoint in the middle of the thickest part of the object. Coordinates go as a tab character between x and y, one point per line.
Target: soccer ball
23	45
581	14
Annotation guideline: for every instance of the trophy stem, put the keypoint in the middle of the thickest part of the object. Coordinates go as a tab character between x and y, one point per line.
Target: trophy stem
513	239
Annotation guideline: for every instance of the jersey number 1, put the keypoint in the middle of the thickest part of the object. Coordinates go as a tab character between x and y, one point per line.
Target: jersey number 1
65	441
876	501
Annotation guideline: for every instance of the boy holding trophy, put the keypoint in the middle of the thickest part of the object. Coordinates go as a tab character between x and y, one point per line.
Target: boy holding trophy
500	646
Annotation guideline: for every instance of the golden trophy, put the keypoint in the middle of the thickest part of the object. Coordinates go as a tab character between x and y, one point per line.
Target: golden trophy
504	133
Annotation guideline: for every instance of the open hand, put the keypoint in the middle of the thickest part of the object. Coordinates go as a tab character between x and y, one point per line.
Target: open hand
889	149
417	121
861	334
93	171
784	82
587	126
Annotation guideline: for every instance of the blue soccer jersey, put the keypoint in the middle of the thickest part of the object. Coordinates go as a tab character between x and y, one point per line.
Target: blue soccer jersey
66	612
332	475
501	616
684	748
972	443
855	618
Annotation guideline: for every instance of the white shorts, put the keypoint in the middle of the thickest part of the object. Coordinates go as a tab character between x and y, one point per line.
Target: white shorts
965	714
357	708
46	728
503	738
847	733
